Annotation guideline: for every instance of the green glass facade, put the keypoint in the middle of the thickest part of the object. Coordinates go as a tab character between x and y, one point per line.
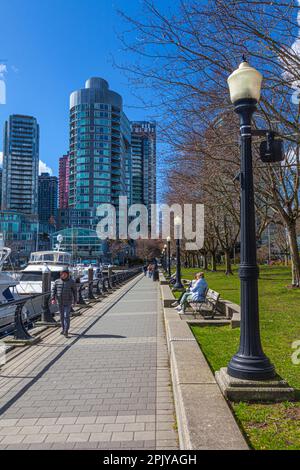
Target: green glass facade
99	156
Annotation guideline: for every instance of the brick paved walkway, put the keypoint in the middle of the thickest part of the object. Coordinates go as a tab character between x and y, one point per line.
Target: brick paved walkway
107	387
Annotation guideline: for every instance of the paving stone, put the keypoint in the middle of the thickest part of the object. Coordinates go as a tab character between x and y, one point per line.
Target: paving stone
30	429
100	436
85	420
34	439
61	437
79	437
94	428
135	427
12	439
72	428
113	427
46	421
144	435
122	436
145	418
125	419
66	420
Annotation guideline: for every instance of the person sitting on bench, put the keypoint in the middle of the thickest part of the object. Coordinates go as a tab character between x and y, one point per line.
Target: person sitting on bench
188	289
196	293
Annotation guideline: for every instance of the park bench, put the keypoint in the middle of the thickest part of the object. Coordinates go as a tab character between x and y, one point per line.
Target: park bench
208	305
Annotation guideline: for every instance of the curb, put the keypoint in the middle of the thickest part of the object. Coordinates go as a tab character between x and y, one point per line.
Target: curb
205	421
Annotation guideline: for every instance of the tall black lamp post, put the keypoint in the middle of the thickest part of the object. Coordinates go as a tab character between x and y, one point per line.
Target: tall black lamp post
165	258
250	361
177	224
169	255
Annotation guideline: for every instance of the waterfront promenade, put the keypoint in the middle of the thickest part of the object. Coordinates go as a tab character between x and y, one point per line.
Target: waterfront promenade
106	387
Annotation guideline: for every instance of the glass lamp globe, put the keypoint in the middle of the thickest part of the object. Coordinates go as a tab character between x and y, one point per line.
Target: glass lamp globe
177	221
245	83
168	239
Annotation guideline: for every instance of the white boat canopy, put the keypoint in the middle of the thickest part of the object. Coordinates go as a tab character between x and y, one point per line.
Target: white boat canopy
50	257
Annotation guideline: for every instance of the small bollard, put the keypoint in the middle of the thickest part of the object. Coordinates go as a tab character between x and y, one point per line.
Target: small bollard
91	283
47	316
80	300
110	276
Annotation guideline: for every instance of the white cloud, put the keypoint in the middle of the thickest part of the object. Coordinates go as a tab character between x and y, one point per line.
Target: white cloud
1	158
43	168
3	69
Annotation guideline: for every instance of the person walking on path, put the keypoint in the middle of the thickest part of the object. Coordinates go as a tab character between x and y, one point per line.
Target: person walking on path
64	293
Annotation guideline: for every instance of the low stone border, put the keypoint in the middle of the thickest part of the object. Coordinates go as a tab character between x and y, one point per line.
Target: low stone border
203	415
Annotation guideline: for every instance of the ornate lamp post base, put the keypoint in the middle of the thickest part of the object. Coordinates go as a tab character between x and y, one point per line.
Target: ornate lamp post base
236	390
251	368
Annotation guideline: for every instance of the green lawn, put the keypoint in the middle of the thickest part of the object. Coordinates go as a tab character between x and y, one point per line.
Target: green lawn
267	426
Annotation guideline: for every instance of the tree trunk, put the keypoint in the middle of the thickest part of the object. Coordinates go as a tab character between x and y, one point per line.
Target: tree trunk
228	269
213	261
194	260
292	236
205	262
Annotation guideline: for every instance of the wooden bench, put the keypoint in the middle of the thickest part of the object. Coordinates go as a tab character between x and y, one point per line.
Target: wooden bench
210	302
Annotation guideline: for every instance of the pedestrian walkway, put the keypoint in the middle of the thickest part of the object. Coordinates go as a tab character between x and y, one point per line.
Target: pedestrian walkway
107	387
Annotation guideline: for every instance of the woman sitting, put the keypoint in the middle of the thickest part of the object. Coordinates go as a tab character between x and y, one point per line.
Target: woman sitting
195	294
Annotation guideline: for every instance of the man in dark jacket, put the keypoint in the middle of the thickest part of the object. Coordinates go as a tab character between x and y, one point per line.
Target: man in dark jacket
64	293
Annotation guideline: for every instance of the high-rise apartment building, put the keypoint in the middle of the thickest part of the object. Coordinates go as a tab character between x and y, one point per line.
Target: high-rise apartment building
20	164
47	200
99	157
143	163
64	182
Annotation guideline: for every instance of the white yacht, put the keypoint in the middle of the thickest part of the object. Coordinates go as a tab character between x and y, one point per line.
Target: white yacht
7	291
31	277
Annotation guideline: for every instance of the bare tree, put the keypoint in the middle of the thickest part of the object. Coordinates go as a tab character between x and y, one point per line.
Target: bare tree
186	57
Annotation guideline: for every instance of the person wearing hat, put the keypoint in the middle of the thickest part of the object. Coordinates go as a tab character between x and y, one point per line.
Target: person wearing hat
64	293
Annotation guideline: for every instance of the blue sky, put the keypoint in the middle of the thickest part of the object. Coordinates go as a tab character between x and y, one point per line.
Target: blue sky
50	47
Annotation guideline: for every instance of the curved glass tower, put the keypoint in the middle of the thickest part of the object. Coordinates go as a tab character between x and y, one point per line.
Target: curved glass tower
99	147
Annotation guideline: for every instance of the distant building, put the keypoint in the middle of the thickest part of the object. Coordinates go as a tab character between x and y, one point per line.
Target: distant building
71	217
47	200
20	232
143	163
20	164
99	147
64	182
83	243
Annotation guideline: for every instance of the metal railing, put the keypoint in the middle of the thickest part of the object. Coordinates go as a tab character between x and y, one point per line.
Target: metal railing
92	290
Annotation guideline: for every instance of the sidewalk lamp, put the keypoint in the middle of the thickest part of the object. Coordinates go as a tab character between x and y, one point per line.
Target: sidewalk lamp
249	362
165	257
177	225
169	255
60	239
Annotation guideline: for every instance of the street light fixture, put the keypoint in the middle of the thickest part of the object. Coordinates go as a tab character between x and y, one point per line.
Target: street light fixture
249	362
178	224
169	255
165	257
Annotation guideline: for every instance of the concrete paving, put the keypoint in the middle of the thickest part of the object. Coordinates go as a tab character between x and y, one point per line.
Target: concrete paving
107	387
